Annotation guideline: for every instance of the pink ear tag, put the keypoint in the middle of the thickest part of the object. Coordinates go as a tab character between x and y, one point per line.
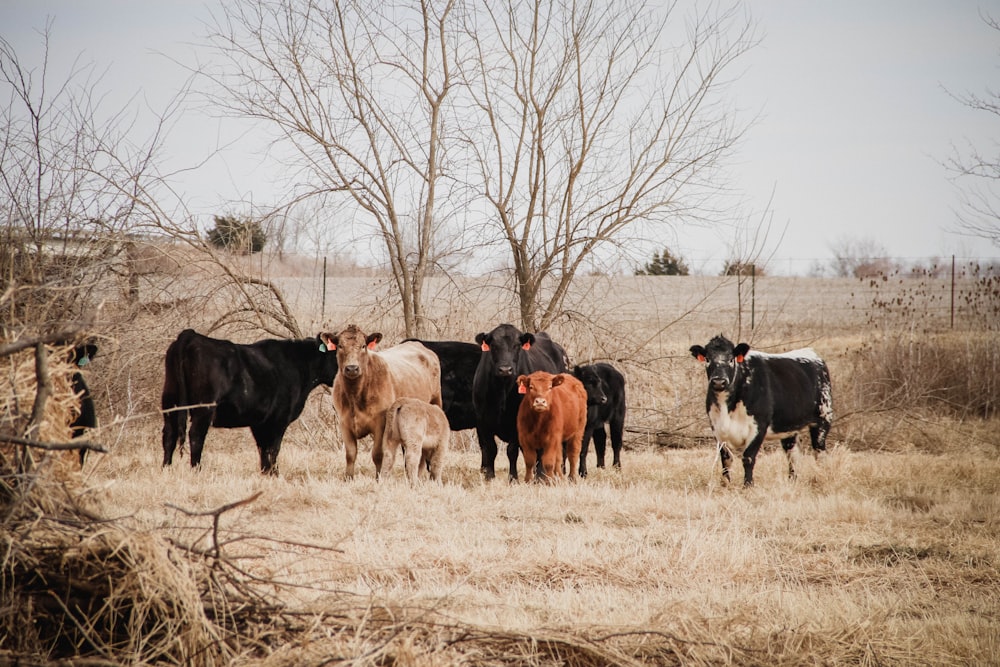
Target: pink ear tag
371	345
739	359
521	389
701	358
526	346
485	347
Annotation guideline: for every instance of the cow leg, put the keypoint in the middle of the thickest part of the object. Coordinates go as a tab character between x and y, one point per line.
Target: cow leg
170	435
488	449
350	449
435	463
268	439
727	460
201	419
530	459
750	456
390	447
377	453
788	444
617	428
512	449
584	447
600	444
551	458
817	434
572	448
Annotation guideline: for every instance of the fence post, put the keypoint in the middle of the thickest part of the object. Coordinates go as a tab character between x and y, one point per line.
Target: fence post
952	291
322	308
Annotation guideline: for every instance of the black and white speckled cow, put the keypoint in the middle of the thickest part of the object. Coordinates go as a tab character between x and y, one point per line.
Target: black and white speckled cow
754	396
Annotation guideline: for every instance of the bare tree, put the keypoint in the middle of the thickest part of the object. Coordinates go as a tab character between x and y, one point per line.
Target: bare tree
358	90
73	179
860	258
977	173
594	128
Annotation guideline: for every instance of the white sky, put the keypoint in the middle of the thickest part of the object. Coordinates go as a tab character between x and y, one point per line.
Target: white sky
855	117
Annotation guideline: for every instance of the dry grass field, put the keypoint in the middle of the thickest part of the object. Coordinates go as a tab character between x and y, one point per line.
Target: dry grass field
884	551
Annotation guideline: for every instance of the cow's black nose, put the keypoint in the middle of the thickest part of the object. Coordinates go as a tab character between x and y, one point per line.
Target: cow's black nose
352	371
505	370
718	383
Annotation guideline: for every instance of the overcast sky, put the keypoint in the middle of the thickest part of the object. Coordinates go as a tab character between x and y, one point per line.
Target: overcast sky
855	117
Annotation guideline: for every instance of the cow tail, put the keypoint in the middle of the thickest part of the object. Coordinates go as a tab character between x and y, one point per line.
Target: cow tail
175	393
182	399
390	419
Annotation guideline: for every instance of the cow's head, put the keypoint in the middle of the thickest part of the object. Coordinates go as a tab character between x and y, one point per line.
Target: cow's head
504	344
721	359
597	389
537	388
352	347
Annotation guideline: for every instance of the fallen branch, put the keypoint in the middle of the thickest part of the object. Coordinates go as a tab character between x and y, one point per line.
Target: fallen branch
55	446
216	514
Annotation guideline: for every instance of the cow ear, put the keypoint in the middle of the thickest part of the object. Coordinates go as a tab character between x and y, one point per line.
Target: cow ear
557	380
327	342
527	340
698	352
741	352
483	345
522	384
372	340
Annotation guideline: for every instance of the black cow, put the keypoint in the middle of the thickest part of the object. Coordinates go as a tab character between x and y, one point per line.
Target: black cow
605	405
263	385
506	354
81	355
458	361
754	396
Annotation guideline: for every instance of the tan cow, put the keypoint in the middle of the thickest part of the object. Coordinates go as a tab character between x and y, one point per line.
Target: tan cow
551	420
368	382
421	429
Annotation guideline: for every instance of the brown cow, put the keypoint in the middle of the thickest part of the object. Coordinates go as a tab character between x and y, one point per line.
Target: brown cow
368	382
421	429
551	419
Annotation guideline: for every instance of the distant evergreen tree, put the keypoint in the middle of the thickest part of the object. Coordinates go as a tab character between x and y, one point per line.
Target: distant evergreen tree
243	237
664	264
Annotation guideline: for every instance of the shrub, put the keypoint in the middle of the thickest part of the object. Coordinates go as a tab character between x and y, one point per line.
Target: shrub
243	237
737	267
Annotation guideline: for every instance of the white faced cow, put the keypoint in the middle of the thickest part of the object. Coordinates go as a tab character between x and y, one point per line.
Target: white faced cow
754	396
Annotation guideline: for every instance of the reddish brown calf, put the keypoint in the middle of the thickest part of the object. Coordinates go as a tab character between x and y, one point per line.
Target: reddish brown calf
550	422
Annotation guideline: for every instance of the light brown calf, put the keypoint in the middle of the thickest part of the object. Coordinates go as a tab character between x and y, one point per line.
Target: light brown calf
421	429
551	420
368	382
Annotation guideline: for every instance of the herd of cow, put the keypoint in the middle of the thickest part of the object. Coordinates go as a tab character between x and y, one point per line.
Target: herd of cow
407	397
515	386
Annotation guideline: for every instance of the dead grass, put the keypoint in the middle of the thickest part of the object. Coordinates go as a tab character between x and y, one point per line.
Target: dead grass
885	551
868	558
